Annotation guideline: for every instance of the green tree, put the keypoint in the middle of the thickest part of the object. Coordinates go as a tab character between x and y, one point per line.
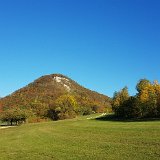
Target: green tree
119	100
142	84
15	115
145	104
65	107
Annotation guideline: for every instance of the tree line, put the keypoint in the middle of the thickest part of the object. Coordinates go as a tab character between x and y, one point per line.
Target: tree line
145	104
64	107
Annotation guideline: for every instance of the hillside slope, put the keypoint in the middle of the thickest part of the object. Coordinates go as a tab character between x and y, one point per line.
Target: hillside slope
47	89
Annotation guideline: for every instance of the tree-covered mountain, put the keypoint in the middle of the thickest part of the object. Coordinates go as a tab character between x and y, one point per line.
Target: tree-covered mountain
42	94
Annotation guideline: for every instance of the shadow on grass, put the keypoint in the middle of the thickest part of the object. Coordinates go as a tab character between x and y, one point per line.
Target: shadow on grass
5	125
113	118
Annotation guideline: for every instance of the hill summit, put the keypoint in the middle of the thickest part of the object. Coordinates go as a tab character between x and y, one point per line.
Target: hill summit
47	89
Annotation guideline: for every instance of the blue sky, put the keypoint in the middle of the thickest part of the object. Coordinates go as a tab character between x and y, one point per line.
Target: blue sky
102	44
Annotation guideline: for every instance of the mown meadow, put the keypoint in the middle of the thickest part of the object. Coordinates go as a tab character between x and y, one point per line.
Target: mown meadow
82	138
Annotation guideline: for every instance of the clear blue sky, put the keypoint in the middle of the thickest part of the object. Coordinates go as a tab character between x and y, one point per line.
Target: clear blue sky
102	44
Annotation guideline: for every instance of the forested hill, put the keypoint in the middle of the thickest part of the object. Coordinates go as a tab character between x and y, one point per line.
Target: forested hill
47	89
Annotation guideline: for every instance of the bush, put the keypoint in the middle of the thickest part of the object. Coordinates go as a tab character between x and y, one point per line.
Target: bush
15	115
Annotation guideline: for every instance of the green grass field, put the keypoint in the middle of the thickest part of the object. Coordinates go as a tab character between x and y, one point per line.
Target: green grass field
82	139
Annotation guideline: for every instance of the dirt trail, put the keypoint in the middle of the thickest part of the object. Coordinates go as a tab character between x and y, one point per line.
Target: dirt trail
6	127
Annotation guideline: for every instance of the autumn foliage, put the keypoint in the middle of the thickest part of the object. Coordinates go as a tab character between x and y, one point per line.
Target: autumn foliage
145	104
56	97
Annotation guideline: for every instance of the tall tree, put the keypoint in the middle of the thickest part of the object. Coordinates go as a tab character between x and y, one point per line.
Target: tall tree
119	100
147	98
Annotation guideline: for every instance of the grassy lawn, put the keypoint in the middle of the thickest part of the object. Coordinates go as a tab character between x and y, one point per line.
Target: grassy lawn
82	138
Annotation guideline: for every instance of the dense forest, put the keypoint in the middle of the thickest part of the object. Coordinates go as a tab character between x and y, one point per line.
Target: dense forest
145	104
57	97
52	97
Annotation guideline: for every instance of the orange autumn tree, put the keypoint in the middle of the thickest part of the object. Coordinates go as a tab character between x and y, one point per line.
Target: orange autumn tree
145	104
147	98
156	86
